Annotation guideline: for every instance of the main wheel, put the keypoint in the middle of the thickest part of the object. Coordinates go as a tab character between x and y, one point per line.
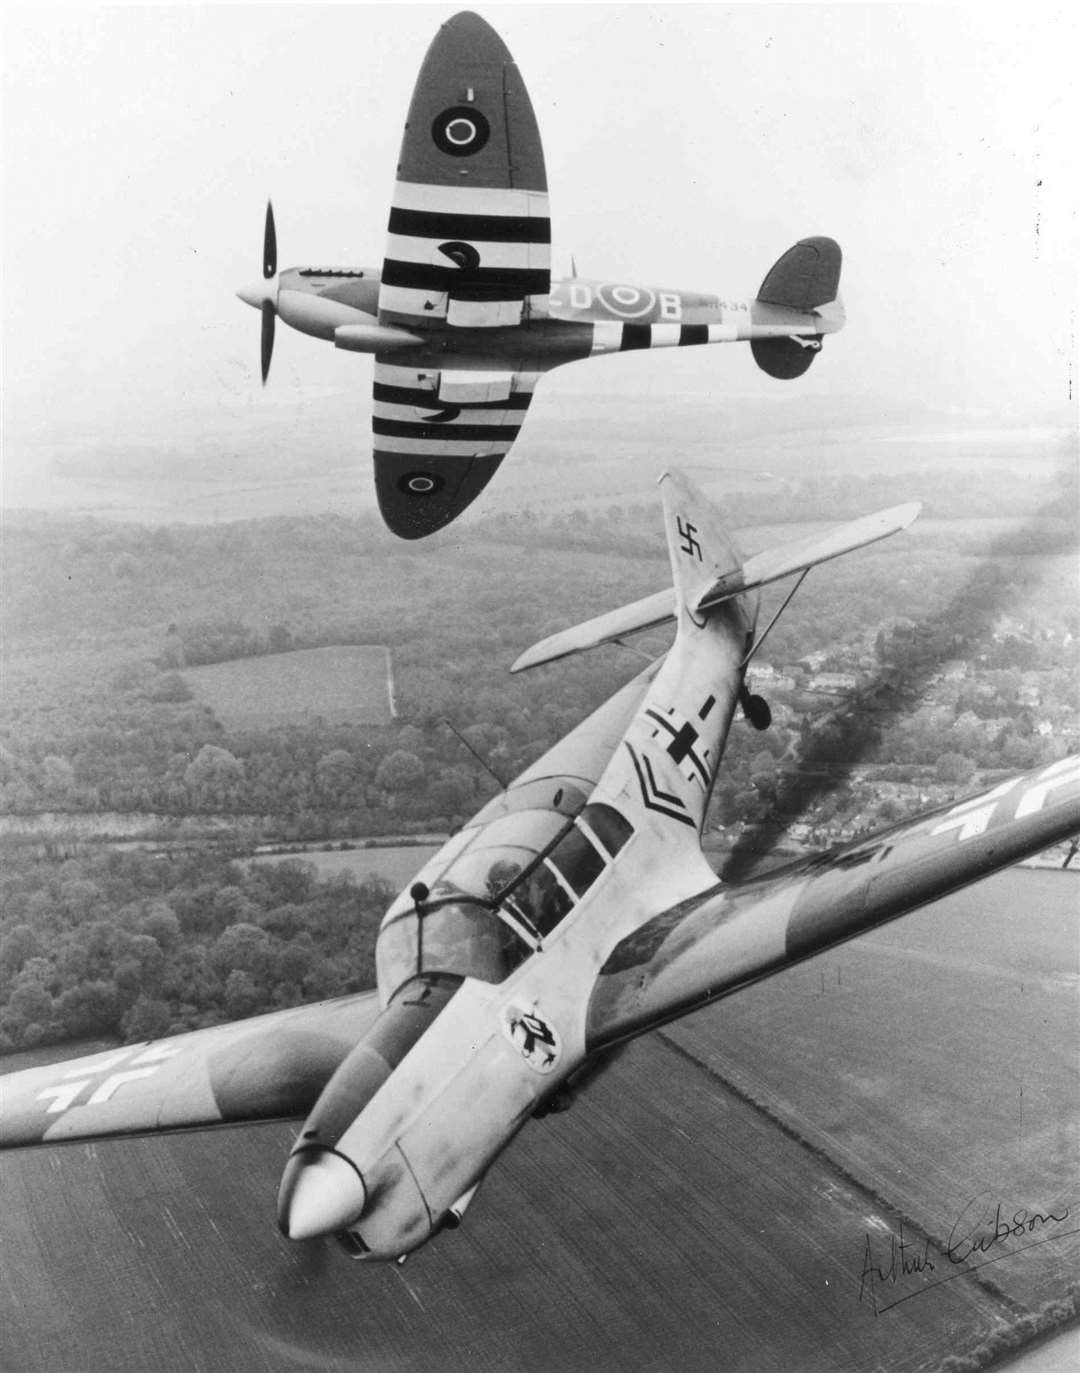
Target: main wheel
756	709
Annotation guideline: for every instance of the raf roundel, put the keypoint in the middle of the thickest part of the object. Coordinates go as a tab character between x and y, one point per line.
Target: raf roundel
421	484
460	131
631	302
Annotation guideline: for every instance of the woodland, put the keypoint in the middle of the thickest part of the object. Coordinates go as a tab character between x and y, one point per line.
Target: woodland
957	642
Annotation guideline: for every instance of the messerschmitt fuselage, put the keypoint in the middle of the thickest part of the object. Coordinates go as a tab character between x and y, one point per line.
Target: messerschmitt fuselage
486	963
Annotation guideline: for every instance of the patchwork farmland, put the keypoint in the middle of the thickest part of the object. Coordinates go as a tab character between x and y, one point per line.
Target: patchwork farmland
708	1204
340	685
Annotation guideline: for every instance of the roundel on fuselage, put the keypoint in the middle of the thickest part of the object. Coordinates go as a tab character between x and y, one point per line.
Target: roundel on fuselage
460	131
629	302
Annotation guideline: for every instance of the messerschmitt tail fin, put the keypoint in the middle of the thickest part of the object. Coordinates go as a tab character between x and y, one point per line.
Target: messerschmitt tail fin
702	553
702	584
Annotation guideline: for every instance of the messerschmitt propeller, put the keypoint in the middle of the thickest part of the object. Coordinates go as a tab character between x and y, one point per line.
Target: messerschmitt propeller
264	296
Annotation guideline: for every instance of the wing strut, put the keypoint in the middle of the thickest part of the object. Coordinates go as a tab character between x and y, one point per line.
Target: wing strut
765	632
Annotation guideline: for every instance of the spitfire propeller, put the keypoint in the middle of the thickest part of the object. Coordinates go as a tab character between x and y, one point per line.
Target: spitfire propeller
264	297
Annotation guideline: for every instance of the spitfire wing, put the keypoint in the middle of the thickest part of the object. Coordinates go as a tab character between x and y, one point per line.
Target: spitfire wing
470	236
270	1067
727	938
439	439
468	256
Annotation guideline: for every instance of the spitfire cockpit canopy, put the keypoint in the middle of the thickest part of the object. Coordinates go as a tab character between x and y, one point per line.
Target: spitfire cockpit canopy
487	900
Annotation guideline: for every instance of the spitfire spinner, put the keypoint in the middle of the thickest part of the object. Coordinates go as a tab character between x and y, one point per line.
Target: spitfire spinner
574	912
463	317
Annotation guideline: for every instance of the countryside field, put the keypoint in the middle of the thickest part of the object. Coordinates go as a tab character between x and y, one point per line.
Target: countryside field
339	685
706	1205
395	864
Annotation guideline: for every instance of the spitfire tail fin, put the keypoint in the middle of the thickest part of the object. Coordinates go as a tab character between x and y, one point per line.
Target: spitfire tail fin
705	560
806	277
796	304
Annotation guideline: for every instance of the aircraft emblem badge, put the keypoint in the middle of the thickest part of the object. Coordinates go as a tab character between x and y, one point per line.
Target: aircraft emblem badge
535	1039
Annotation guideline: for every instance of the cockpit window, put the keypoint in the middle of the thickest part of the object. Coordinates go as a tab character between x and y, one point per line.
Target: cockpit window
577	861
606	824
483	905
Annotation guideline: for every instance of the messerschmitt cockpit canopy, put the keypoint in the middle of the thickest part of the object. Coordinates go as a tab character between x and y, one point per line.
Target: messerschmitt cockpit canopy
491	896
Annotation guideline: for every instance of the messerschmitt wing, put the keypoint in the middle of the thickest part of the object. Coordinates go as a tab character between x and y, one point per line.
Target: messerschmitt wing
267	1068
728	937
469	235
439	439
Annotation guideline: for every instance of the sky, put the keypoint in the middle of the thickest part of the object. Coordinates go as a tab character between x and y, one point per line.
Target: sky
687	146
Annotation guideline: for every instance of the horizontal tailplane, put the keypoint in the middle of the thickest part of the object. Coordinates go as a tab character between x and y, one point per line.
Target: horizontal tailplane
702	585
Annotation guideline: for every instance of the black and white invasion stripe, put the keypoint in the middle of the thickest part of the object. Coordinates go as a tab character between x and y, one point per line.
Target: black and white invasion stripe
410	417
627	338
492	243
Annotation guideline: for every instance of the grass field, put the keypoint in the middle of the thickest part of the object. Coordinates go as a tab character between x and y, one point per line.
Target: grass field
397	864
957	1025
705	1206
342	685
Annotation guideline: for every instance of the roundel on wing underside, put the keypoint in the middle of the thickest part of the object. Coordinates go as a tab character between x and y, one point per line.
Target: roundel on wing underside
460	131
420	483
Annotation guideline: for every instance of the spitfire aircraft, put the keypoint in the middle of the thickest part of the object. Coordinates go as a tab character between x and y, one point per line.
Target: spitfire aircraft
574	912
463	316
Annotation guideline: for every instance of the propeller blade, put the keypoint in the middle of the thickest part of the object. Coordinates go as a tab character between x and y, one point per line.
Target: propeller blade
269	244
268	313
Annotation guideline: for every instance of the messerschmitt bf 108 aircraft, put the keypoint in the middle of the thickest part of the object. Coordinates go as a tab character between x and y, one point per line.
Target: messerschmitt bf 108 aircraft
463	316
574	912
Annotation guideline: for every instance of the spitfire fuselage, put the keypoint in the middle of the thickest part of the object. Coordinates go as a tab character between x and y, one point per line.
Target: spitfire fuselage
583	318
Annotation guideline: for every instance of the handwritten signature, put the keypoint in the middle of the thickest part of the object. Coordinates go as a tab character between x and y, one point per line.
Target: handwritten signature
981	1227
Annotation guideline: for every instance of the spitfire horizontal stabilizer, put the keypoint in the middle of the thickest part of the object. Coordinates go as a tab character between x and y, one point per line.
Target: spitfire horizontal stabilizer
757	571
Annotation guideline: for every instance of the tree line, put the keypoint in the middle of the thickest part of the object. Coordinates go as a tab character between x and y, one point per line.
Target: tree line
138	945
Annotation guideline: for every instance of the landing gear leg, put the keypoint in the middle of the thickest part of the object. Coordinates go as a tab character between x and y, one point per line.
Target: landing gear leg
756	709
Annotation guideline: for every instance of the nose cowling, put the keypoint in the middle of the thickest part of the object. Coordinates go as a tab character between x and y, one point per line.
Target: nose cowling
321	1193
259	293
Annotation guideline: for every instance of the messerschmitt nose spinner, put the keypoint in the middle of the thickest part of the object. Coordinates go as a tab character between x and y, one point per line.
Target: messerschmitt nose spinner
263	295
323	1190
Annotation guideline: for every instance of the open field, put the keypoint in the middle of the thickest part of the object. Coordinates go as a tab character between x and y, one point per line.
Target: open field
342	685
396	863
667	1221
